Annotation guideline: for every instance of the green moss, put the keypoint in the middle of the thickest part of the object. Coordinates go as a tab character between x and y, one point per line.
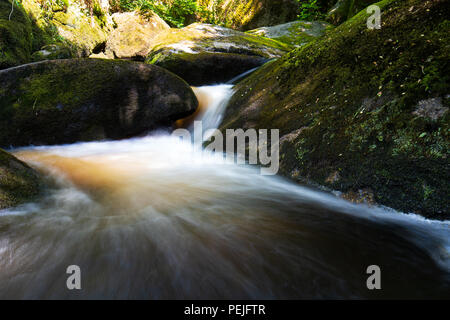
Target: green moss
16	35
204	54
354	94
61	101
34	25
203	38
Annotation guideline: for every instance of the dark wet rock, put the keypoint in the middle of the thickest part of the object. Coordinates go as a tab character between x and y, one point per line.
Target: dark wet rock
209	68
64	101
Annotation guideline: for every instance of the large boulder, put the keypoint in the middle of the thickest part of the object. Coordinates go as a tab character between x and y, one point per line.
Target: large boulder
251	14
363	111
84	32
64	101
69	23
35	30
295	33
209	68
132	37
18	182
203	53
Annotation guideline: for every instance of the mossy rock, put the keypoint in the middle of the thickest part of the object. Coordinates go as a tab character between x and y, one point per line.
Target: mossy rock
363	109
18	182
44	32
65	101
231	51
33	26
16	36
80	30
295	33
208	68
251	14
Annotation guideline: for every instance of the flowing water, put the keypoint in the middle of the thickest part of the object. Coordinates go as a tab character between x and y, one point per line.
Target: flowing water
155	218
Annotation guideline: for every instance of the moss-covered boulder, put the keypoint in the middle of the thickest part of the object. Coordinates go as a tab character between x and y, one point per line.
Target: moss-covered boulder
64	101
16	36
133	34
295	33
212	49
363	111
84	32
47	42
200	37
35	30
209	68
345	9
251	14
18	182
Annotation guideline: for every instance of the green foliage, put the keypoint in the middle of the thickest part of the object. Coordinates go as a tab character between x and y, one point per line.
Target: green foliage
177	13
310	10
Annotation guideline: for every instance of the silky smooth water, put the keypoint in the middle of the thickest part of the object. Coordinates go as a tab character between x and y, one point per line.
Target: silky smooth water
156	218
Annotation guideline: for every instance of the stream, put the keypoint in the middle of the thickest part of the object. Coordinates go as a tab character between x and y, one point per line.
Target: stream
156	218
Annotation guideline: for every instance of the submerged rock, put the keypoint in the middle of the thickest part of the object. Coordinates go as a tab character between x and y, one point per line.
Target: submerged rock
363	109
18	182
65	101
132	37
219	53
295	33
